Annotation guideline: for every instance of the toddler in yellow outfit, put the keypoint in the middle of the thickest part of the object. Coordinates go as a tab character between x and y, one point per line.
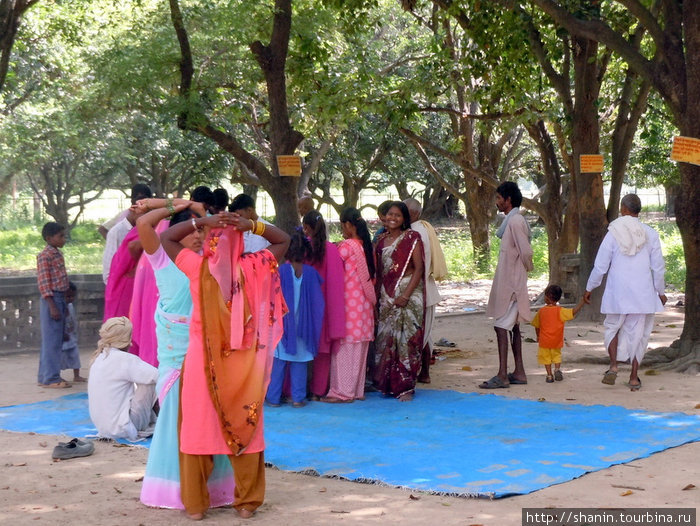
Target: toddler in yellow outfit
549	326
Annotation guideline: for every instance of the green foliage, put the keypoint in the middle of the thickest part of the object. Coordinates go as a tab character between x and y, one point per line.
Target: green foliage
82	252
672	247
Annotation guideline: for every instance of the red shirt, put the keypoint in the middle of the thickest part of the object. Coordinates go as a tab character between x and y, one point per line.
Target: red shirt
51	272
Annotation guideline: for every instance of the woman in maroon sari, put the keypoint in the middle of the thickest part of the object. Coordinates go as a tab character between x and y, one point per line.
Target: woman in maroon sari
400	291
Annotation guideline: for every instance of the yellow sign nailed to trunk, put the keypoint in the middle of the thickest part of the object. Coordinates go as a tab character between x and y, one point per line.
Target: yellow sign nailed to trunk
289	165
591	163
686	150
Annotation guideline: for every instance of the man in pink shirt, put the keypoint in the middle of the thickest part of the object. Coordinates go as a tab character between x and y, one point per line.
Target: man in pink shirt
508	302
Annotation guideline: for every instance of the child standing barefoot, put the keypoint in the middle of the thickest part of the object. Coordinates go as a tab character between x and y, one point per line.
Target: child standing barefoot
70	358
549	326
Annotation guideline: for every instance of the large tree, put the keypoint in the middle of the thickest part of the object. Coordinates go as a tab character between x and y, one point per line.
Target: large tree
11	12
672	66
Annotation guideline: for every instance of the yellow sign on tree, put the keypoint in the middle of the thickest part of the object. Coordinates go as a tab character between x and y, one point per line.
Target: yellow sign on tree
686	150
289	165
591	163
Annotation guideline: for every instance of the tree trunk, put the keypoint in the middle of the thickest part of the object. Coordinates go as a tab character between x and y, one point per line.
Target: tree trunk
589	186
672	190
251	190
435	203
284	195
480	212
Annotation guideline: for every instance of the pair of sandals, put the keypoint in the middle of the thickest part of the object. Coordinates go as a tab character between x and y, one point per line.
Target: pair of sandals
610	376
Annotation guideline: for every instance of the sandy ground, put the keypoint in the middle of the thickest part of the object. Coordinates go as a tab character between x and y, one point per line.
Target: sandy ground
103	489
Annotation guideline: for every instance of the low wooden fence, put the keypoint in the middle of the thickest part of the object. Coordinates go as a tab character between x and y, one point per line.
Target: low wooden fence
20	330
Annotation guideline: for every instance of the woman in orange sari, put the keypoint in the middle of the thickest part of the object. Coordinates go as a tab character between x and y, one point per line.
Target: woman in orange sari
235	326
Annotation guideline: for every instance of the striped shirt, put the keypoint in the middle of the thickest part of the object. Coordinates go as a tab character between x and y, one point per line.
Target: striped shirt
51	272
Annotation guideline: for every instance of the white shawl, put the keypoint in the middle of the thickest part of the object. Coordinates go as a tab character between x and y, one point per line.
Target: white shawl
629	234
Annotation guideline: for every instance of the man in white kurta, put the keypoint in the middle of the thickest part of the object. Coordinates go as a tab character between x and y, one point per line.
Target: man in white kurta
509	303
432	295
121	386
630	255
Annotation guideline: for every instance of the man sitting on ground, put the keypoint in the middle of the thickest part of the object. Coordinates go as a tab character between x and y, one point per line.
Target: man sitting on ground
121	386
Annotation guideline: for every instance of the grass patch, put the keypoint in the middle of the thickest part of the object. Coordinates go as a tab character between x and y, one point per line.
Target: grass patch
83	251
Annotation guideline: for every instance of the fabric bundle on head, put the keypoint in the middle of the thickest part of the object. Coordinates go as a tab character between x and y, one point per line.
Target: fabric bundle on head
115	332
629	234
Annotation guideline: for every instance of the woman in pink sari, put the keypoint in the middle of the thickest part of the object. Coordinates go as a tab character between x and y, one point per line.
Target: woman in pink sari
400	288
235	326
120	284
327	262
349	356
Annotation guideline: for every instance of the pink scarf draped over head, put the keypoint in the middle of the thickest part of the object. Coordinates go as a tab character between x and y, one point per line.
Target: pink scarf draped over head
242	308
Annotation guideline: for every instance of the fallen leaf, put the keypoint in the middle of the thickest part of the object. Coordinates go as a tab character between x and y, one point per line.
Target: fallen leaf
322	490
43	444
529	340
697	406
93	492
19	464
571	399
339	511
117	490
5	487
650	372
466	368
626	493
413	497
689	486
541	399
671	326
140	479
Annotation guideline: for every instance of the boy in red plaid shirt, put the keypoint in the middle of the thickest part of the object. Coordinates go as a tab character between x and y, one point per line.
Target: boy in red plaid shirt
53	284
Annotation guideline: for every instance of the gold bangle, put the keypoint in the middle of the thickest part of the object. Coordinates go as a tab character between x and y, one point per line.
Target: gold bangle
259	228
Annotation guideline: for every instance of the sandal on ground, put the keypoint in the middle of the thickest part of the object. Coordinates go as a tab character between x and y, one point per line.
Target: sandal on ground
635	387
57	385
444	342
558	376
609	377
515	381
298	404
406	397
494	383
550	379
